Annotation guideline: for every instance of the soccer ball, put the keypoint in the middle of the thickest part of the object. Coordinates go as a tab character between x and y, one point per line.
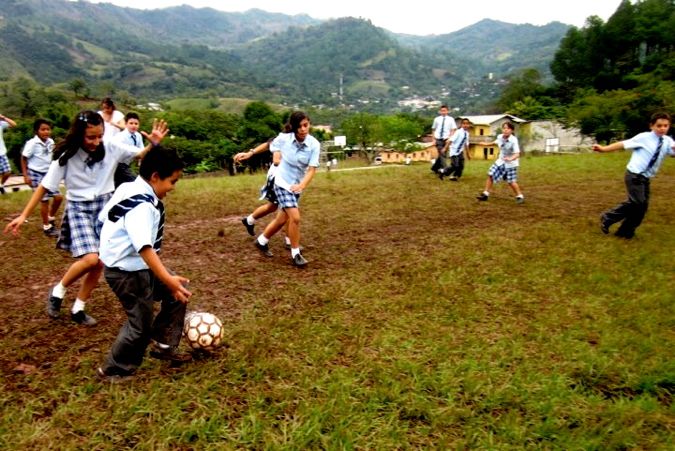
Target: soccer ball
203	331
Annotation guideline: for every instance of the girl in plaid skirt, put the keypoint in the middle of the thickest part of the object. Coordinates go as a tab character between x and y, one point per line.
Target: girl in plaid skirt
86	164
506	166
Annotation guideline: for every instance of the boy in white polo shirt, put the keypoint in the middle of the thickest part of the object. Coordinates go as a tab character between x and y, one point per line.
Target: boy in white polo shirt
649	150
130	136
36	157
131	237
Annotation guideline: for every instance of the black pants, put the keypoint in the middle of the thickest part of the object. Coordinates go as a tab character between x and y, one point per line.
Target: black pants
632	211
137	291
456	166
123	174
439	163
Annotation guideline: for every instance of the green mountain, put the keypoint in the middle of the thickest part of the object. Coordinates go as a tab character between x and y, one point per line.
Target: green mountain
183	51
499	47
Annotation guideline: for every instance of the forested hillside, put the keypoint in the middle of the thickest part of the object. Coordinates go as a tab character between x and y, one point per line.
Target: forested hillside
183	51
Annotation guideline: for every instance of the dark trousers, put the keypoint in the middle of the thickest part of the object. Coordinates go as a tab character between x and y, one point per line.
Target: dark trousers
440	161
632	211
123	174
137	291
456	166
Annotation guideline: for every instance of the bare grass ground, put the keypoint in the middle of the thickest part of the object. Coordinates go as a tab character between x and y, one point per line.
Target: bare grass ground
425	319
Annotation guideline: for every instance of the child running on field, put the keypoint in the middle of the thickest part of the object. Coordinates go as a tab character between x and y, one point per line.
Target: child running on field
86	164
297	154
649	150
506	166
35	160
131	238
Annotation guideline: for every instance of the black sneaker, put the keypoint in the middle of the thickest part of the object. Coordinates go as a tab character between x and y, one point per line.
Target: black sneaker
170	354
482	197
114	378
249	227
2	190
288	246
453	178
299	261
441	174
520	199
52	222
264	248
604	227
53	305
624	235
51	232
82	318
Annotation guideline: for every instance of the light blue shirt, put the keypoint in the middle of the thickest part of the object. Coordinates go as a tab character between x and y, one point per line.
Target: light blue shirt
123	239
459	140
644	146
38	154
125	137
296	157
507	147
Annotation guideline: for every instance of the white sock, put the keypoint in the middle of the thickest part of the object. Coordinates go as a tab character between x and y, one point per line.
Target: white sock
47	226
59	291
486	193
287	240
295	251
51	218
78	305
250	220
263	240
162	345
520	196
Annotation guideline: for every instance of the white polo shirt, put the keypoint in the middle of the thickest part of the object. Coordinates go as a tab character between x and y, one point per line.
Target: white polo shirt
38	153
507	147
84	182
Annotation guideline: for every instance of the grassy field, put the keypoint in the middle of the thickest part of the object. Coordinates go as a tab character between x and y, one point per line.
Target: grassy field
425	319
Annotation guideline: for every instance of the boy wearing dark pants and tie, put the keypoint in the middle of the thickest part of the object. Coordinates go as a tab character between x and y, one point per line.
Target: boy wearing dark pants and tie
443	127
649	150
458	147
131	237
132	137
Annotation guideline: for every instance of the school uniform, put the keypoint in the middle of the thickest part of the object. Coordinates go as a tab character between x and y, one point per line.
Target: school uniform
123	173
89	185
4	161
296	157
132	220
507	170
459	141
38	156
649	151
442	127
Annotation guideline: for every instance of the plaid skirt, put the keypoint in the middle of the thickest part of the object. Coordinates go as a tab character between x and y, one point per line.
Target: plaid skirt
499	172
4	164
267	191
80	227
285	198
35	179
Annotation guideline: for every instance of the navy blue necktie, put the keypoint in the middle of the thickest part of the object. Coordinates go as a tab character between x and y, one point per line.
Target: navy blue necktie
461	145
119	210
133	138
440	136
655	157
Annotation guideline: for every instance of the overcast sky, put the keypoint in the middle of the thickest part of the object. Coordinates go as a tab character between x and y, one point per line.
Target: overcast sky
420	17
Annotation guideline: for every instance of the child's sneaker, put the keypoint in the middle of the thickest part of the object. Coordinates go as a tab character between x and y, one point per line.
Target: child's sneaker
51	232
170	354
53	305
112	378
250	228
520	199
83	319
483	197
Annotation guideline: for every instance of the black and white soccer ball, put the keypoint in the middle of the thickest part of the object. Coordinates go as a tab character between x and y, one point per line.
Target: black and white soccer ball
203	331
